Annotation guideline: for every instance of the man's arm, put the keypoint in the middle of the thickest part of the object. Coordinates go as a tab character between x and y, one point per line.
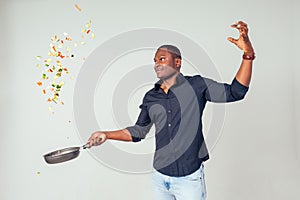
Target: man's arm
100	137
244	73
131	134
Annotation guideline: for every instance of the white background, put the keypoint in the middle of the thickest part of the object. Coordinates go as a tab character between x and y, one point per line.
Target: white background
257	156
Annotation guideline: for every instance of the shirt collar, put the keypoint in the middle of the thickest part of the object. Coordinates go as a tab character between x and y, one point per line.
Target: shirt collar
179	80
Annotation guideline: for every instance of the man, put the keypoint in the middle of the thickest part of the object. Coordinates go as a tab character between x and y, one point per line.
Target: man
175	106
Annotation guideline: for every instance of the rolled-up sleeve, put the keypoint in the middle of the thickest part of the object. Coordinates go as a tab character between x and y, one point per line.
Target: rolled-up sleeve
142	126
223	92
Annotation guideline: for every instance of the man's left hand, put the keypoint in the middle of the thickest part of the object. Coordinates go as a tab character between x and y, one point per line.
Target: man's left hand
243	41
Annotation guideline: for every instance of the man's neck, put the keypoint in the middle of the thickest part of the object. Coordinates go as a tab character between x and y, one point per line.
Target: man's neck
168	83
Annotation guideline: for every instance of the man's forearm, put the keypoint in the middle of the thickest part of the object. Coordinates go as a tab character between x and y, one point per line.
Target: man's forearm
244	73
122	135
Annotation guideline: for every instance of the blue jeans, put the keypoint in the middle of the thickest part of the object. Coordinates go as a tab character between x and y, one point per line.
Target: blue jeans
190	187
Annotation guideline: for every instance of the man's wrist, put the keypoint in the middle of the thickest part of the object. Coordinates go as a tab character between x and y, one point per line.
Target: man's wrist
106	134
249	55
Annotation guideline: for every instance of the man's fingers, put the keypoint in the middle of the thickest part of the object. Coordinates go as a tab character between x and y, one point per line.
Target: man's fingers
92	141
96	140
230	39
242	23
241	26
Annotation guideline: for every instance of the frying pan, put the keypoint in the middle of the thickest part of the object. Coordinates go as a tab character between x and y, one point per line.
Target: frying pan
63	155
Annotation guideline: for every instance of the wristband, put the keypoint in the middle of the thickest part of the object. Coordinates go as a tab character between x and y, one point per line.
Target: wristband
249	57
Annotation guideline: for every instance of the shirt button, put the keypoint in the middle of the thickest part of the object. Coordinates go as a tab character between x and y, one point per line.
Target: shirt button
169	124
169	111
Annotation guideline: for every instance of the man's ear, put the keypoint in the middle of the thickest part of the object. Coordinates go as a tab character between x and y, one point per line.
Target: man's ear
178	62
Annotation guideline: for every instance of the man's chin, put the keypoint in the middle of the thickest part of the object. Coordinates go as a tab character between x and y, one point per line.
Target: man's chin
161	77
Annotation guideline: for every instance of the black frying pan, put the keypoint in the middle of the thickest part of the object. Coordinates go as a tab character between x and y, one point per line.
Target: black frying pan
63	155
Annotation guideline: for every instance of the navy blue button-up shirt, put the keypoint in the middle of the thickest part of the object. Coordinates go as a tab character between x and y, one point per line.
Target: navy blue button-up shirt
177	117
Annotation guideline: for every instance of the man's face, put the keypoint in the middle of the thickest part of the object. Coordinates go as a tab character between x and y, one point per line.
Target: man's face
165	64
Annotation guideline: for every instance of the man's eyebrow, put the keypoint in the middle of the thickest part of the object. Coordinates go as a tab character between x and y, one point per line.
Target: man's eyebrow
159	57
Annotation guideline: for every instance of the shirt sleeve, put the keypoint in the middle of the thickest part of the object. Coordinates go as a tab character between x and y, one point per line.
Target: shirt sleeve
223	92
142	126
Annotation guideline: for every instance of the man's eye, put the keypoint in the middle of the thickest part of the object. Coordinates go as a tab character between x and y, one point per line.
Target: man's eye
162	59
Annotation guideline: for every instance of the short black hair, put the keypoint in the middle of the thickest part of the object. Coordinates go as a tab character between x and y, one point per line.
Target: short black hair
172	49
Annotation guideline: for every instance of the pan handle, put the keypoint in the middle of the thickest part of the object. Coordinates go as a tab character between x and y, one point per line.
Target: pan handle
86	146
